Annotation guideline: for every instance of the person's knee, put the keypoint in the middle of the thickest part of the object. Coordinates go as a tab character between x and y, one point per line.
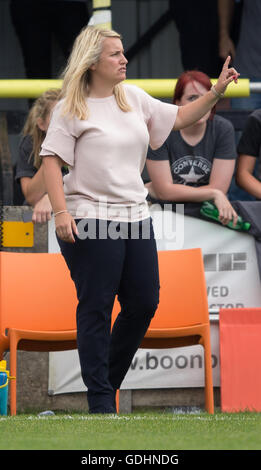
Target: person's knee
150	306
144	306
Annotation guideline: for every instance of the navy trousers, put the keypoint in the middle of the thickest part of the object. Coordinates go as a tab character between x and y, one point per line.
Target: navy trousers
101	268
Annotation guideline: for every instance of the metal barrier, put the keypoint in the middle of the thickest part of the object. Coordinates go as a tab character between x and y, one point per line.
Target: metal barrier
159	88
27	88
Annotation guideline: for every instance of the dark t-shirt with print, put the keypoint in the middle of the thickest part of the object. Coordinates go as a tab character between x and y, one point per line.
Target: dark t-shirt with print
191	165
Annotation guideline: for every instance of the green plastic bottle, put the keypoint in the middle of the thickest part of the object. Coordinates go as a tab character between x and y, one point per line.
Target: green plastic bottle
210	211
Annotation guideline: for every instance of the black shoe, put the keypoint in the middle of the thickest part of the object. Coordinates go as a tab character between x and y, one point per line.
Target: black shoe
103	410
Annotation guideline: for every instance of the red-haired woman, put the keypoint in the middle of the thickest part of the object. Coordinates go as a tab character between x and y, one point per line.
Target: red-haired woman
196	163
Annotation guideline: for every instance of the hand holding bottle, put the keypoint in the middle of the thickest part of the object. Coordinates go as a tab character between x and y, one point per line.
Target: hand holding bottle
210	211
225	209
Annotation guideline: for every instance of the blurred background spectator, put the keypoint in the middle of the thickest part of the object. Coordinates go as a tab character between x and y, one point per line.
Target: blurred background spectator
197	24
29	172
246	54
248	174
36	24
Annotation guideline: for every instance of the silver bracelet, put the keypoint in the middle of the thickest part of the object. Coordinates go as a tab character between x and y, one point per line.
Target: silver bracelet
216	93
59	212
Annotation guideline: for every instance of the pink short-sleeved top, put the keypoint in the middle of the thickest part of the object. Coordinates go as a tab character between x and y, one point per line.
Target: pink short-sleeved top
106	154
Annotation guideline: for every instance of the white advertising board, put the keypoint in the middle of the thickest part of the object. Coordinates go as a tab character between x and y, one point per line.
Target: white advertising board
232	279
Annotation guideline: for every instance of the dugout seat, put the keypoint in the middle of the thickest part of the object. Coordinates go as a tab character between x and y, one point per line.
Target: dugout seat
182	317
37	307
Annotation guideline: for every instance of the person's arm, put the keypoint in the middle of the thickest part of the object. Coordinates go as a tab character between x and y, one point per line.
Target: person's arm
162	187
192	112
64	222
34	191
225	16
33	188
42	210
245	177
221	174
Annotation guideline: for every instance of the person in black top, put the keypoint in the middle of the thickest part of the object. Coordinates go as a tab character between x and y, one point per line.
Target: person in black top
29	172
38	23
249	149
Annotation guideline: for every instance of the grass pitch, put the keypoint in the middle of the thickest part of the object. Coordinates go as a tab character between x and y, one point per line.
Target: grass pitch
137	431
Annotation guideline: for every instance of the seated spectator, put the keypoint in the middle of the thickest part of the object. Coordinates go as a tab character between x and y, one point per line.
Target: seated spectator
195	164
249	150
28	169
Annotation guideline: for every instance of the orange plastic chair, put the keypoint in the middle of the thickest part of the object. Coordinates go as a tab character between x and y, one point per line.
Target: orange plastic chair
182	317
240	356
37	309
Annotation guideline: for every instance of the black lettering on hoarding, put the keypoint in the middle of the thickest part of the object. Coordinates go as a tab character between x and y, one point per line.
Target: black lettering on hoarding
151	361
217	291
193	361
199	361
166	362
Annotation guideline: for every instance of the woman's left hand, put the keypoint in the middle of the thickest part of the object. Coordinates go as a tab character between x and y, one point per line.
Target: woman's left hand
228	75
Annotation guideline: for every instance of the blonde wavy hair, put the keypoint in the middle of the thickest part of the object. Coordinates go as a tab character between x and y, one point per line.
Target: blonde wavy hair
86	51
39	110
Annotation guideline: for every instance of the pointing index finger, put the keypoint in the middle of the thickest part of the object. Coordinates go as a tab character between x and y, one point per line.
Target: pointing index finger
227	61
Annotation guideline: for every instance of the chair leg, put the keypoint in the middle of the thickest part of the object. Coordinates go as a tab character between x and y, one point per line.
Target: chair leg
117	400
209	394
4	346
13	368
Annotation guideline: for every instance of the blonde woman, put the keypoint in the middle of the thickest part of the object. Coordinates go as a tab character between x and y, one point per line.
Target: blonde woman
101	129
28	169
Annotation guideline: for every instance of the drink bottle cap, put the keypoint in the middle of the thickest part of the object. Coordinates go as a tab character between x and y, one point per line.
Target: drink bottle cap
2	365
247	225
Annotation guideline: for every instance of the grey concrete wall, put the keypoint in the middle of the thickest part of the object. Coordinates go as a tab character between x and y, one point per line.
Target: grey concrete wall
32	392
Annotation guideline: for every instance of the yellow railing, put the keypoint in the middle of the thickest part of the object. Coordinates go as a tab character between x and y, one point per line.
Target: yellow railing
159	88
